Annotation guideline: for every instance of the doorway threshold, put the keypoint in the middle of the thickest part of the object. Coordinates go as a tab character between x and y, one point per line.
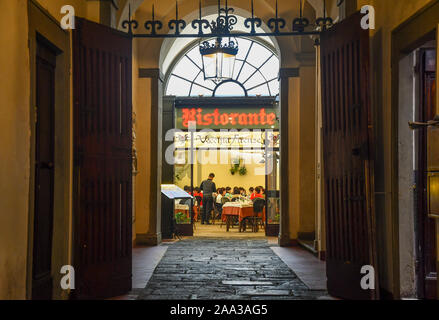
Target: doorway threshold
309	246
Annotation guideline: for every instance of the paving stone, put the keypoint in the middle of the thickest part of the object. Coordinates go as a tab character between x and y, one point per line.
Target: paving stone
224	269
245	283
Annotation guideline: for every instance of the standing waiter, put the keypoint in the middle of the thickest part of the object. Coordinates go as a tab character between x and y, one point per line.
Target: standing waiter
208	187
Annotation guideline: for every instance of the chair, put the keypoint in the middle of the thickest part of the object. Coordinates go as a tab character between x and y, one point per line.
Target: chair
199	211
258	208
223	201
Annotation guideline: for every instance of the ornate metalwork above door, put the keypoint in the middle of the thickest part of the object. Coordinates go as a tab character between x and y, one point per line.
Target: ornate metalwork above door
222	26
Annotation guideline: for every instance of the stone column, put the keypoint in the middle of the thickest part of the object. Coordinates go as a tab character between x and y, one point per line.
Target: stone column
285	211
154	235
306	148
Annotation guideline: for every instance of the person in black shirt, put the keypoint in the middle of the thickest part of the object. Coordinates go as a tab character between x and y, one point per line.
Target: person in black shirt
208	187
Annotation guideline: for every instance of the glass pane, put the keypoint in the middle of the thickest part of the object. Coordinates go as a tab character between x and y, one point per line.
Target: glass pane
200	91
228	63
258	55
259	91
195	56
178	87
274	87
182	178
270	70
238	65
229	89
255	80
200	80
210	65
246	72
186	69
244	45
272	192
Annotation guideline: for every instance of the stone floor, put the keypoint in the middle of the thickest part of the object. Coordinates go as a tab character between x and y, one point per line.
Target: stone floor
226	269
218	230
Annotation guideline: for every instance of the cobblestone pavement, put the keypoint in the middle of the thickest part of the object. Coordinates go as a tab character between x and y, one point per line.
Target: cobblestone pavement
211	269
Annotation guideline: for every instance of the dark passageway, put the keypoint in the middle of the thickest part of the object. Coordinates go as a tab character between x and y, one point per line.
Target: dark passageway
225	269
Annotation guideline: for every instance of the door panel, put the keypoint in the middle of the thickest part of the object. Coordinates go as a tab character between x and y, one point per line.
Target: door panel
103	160
426	228
44	174
348	158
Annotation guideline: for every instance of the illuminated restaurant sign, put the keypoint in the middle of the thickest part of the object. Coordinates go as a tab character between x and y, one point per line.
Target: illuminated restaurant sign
227	118
254	139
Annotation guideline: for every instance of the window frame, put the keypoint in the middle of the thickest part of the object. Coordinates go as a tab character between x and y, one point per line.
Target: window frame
255	70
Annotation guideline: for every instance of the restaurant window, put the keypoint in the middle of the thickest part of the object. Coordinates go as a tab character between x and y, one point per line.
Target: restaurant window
255	74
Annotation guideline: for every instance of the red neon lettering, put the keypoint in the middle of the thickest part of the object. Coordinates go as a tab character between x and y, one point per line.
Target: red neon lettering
224	119
217	118
262	115
188	115
253	119
208	119
233	117
270	118
199	117
243	119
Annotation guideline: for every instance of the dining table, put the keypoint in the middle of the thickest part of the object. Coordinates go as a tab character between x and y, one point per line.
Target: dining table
238	211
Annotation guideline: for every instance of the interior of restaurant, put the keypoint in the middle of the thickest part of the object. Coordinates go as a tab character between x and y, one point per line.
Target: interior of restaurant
234	108
244	162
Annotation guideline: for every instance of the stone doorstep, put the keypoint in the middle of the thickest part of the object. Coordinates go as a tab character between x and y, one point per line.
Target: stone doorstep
246	283
273	292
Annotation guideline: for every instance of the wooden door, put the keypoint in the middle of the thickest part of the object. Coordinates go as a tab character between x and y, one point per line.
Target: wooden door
348	158
426	227
103	160
44	173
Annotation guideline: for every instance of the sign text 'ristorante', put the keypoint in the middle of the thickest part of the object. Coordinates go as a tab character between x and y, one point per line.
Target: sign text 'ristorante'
226	118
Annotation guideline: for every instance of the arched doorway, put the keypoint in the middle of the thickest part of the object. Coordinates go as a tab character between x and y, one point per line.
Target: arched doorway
253	89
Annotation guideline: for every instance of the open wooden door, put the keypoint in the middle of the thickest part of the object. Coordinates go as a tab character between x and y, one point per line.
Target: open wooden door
103	161
426	175
348	158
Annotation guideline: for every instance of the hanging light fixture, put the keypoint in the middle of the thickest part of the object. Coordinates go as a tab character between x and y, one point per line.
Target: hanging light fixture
219	55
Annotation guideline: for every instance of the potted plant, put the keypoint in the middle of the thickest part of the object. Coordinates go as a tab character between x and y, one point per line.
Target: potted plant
183	224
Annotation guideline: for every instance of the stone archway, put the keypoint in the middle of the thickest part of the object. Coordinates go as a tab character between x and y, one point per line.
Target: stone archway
297	59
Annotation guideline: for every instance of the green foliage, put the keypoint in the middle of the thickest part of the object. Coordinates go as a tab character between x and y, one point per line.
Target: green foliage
182	218
237	168
243	171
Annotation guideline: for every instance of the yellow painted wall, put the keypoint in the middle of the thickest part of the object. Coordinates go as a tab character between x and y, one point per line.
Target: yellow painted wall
14	146
142	107
294	157
223	177
389	15
307	150
15	137
83	9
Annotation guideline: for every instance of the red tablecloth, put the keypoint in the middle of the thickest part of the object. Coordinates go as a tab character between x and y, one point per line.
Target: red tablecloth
240	212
